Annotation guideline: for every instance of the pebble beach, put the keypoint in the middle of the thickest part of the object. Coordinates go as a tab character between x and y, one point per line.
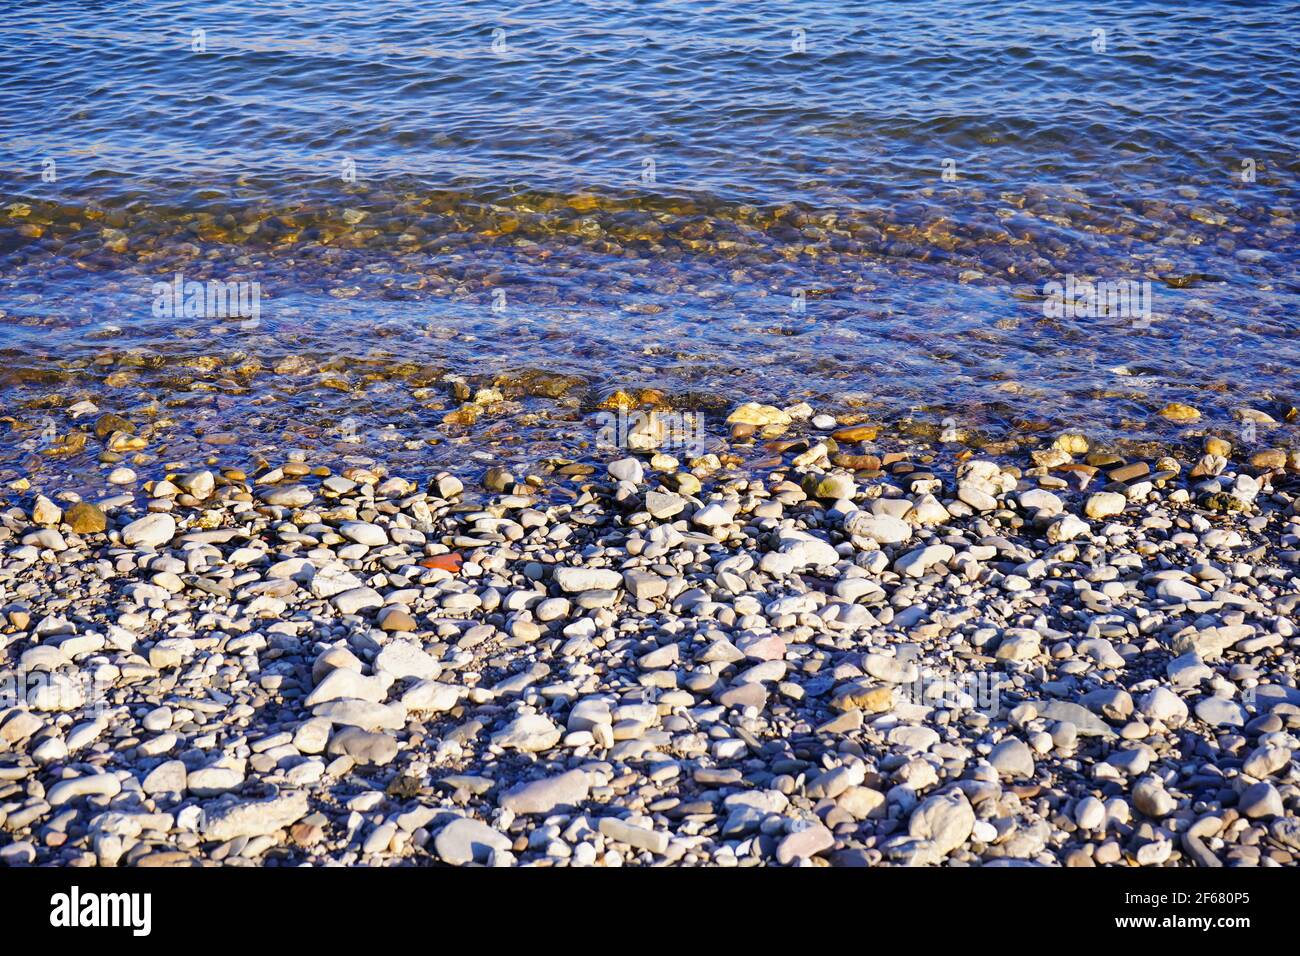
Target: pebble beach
819	645
639	435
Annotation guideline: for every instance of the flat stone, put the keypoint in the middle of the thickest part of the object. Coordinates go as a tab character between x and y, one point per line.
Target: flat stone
1221	712
530	733
397	620
363	746
150	531
804	844
289	496
332	580
641	838
1085	721
872	698
93	784
253	818
357	600
882	529
543	796
575	580
363	532
345	684
213	781
405	659
916	563
431	696
365	714
663	504
469	841
644	585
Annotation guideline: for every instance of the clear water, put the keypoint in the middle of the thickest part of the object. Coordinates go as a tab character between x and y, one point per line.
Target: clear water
720	201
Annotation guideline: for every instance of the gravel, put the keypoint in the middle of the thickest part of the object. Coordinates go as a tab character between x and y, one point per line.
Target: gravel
925	662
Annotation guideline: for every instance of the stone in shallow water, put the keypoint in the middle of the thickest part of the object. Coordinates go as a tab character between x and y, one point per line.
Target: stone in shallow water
85	518
856	433
1178	412
752	413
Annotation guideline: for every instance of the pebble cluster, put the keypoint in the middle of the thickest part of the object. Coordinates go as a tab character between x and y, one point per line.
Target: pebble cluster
832	659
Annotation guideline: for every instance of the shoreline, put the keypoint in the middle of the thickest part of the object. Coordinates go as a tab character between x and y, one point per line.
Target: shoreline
786	654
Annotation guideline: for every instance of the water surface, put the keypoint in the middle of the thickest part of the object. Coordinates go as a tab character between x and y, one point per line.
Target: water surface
718	201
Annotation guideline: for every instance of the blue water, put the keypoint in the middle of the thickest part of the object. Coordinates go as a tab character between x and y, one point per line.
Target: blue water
721	201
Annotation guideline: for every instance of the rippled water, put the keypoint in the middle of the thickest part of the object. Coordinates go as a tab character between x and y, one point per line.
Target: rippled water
719	201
